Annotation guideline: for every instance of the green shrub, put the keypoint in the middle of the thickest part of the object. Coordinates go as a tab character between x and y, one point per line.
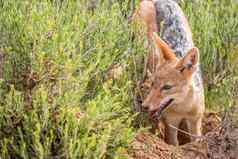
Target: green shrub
56	101
214	25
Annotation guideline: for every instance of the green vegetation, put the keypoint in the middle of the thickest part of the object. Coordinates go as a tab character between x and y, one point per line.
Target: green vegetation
55	98
214	25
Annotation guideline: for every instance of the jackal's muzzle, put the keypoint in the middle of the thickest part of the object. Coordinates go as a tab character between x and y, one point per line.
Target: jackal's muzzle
156	113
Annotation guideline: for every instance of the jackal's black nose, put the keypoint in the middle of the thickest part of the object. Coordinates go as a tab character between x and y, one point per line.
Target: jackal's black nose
145	107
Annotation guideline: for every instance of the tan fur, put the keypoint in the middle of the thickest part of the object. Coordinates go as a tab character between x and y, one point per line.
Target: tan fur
173	80
147	13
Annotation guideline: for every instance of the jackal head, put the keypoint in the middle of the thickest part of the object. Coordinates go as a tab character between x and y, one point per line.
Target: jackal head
171	82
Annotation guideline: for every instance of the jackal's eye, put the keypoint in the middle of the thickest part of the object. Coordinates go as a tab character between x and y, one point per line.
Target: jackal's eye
166	87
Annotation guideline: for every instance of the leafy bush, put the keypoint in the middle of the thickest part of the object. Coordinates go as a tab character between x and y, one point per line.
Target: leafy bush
56	101
214	25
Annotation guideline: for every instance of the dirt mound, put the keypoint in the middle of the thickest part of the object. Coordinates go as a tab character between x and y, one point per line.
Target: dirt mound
148	146
223	141
220	141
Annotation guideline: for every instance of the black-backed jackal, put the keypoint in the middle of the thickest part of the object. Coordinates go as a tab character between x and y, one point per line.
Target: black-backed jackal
176	92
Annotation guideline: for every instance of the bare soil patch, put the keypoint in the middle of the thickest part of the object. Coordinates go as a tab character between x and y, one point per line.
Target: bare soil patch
219	141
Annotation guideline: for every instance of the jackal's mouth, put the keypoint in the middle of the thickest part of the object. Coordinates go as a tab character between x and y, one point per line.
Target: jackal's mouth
157	113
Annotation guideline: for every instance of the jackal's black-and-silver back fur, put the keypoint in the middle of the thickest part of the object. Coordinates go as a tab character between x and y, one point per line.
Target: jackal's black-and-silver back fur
175	31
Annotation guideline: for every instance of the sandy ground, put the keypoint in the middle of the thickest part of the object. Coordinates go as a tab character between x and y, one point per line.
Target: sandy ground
219	141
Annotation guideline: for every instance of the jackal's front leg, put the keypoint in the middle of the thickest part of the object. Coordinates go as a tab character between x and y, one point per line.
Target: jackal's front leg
195	128
171	131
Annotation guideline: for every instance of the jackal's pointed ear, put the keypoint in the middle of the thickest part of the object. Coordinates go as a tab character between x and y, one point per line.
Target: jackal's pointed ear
189	62
166	53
